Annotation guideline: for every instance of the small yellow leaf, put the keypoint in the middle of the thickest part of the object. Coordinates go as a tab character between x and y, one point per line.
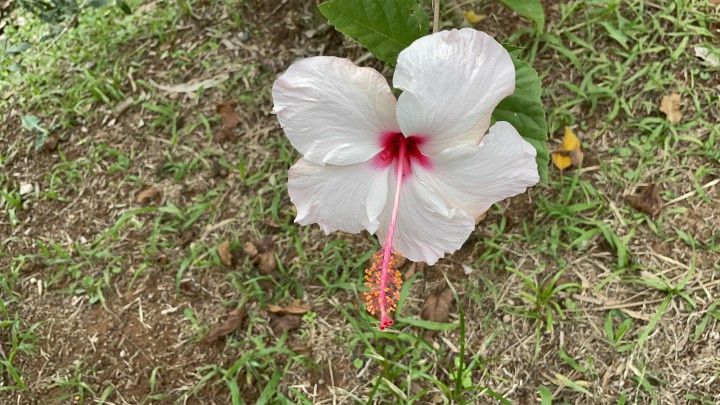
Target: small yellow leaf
670	105
473	18
561	162
570	154
570	140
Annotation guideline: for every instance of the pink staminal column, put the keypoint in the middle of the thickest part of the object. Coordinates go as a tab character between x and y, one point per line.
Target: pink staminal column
382	278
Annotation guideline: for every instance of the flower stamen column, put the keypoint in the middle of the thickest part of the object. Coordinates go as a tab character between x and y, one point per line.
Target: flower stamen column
385	282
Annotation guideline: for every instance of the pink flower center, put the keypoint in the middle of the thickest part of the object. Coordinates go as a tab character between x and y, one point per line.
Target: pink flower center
393	143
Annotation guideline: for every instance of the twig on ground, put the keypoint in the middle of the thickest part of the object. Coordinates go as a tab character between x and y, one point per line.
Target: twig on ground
275	10
691	193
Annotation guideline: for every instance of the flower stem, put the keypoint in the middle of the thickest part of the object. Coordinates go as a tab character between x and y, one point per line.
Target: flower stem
385	320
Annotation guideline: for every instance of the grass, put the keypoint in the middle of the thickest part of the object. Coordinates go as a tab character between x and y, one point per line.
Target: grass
565	295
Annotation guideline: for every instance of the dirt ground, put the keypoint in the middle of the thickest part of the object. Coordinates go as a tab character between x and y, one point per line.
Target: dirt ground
116	263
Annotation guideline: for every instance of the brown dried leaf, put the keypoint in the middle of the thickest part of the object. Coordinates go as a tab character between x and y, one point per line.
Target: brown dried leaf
225	135
296	308
648	201
148	195
437	306
266	262
671	106
189	287
232	321
51	143
576	157
250	249
228	116
284	323
225	253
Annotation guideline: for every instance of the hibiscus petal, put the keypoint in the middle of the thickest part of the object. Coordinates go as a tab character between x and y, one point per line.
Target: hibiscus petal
333	111
473	177
426	227
451	81
347	198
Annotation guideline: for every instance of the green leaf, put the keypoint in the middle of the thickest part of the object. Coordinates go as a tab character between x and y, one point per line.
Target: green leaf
571	384
17	48
545	395
524	110
429	325
616	34
530	9
32	123
384	27
124	7
97	3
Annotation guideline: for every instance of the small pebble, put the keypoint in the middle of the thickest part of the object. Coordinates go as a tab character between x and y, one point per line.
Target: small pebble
26	188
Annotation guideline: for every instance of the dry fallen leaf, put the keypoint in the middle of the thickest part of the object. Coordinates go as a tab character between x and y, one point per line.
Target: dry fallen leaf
229	119
570	154
266	262
296	308
189	287
648	201
225	253
148	195
264	255
437	306
225	135
284	323
671	105
232	321
228	116
51	143
706	55
250	249
473	18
